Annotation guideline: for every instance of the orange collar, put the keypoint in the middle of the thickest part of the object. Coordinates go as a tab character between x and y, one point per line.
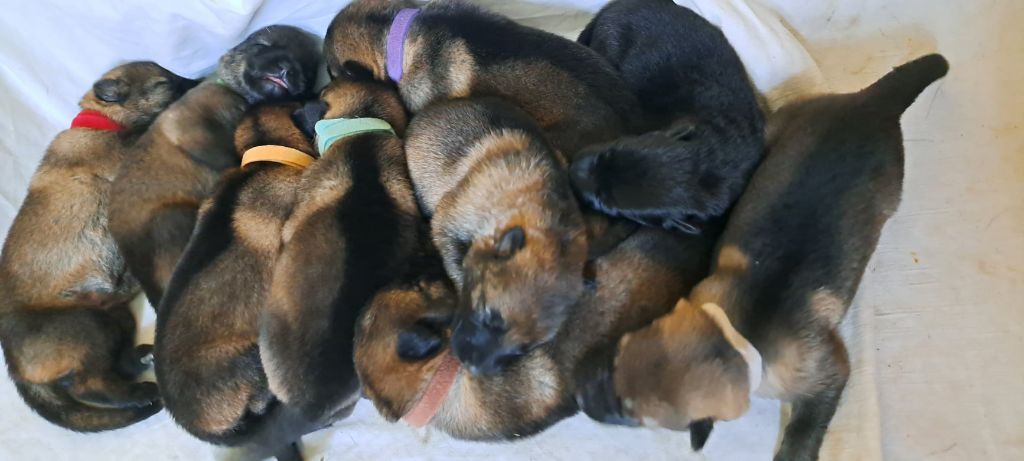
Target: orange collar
279	154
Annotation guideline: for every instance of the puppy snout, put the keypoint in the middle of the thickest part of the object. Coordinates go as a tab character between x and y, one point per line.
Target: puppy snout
479	342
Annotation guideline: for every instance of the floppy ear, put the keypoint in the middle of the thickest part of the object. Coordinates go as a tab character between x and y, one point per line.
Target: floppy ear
306	117
511	241
700	430
418	342
111	90
685	131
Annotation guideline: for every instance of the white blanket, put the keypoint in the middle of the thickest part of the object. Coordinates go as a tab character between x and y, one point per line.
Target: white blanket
935	335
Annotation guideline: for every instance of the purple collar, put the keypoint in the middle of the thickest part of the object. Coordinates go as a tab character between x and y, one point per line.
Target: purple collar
396	42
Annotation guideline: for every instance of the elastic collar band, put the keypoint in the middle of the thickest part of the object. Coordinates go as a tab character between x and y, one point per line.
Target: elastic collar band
278	154
738	342
396	42
96	120
330	130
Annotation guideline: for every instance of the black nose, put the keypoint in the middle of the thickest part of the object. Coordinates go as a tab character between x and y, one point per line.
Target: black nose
582	174
479	343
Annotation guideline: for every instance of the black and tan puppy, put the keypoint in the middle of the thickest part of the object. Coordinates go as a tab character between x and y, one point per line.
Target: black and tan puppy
207	355
178	161
404	358
504	219
788	266
354	231
452	49
709	128
67	331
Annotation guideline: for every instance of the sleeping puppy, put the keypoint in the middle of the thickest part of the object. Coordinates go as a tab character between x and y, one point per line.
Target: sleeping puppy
405	363
504	219
691	83
176	164
452	49
65	324
207	358
354	230
788	266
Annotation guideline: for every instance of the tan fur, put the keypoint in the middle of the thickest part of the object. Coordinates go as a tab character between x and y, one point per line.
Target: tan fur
636	281
439	64
176	164
208	329
316	283
478	181
66	329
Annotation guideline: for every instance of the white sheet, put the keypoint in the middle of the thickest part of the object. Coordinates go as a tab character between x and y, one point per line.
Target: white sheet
935	335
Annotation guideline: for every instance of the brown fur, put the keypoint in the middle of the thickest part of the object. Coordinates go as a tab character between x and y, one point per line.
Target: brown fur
177	162
356	227
207	358
790	262
634	282
457	49
482	170
64	285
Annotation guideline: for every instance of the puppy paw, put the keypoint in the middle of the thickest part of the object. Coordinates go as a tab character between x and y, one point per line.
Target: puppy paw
595	390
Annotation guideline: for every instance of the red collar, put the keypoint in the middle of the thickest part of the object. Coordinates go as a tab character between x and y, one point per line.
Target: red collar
95	120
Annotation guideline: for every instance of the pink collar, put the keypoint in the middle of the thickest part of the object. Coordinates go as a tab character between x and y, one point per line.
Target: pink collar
396	42
96	120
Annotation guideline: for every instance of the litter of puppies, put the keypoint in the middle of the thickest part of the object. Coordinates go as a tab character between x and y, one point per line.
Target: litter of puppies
477	226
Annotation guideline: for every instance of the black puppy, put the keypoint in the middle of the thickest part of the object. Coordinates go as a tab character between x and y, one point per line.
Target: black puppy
693	87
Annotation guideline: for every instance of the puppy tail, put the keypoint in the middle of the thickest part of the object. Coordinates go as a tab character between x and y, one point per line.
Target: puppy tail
53	402
898	89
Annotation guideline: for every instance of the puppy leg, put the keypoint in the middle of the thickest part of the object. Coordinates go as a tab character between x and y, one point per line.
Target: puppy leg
108	390
812	413
135	359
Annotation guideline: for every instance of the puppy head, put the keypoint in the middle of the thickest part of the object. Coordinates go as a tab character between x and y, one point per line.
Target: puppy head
682	372
134	94
524	269
356	40
401	341
274	63
351	99
275	124
645	176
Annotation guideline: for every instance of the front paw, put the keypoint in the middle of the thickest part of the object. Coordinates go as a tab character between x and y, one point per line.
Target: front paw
595	389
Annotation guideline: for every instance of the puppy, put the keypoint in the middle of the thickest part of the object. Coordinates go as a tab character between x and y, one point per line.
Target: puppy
788	266
504	219
207	358
177	162
691	83
65	325
405	363
452	49
354	230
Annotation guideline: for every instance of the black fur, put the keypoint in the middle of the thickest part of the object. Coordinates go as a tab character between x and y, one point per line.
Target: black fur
695	91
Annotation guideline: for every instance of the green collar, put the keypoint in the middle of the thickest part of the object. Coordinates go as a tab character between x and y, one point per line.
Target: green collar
330	130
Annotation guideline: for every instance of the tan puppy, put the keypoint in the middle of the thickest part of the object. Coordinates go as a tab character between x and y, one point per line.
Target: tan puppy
178	161
207	359
504	219
64	287
788	266
404	359
455	49
354	231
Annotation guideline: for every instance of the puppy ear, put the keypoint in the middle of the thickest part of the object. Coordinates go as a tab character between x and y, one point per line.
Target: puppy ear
306	116
700	430
685	131
418	342
111	90
511	241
